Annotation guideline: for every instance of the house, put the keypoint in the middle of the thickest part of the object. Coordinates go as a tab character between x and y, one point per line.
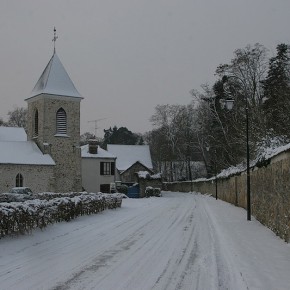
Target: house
48	158
98	168
131	159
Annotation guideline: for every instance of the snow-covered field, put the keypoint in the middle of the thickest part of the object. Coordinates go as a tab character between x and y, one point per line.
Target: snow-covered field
178	241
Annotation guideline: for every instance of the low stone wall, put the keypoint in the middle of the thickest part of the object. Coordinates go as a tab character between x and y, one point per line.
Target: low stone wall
143	183
270	192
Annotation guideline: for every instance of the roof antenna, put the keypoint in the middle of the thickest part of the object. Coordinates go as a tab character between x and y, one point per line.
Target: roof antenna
96	126
54	39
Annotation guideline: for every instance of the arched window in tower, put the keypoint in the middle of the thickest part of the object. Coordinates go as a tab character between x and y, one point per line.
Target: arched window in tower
61	126
35	123
19	180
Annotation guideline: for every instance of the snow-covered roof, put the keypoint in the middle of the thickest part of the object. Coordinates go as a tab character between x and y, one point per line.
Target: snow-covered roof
55	81
146	174
23	152
127	155
12	134
15	149
101	153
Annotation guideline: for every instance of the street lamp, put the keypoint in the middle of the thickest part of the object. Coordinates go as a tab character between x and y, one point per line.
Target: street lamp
228	103
215	171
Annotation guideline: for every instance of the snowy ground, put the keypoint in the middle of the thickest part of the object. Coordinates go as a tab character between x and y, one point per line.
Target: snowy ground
178	241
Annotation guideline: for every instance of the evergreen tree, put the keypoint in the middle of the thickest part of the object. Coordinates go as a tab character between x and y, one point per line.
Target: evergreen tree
277	93
121	136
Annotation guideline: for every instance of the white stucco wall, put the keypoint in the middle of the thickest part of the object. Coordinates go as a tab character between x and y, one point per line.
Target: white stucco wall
91	176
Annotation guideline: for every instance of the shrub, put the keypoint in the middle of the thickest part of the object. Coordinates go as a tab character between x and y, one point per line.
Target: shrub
23	217
150	191
123	188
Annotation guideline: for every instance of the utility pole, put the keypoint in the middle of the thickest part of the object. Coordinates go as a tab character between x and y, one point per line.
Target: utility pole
96	124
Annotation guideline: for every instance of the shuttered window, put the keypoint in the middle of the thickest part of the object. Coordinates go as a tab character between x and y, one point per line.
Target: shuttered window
107	168
36	123
112	168
61	126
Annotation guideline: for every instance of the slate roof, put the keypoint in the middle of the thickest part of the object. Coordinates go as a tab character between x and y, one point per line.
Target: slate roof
55	81
101	153
127	155
12	134
14	149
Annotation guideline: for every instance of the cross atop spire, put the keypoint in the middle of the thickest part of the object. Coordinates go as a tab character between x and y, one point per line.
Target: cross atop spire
54	39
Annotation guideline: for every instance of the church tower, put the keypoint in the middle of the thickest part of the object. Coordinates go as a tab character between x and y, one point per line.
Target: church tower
54	123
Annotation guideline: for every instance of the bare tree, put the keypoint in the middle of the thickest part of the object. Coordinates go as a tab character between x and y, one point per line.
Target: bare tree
85	137
17	117
241	80
2	123
174	140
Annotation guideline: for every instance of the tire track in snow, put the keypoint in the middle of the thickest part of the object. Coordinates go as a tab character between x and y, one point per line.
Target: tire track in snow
202	263
227	276
168	243
151	239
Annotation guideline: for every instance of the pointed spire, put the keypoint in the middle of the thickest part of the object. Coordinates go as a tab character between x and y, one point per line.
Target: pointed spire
55	81
55	37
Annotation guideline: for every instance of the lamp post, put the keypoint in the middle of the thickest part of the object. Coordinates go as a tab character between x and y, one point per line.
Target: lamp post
229	105
215	171
248	166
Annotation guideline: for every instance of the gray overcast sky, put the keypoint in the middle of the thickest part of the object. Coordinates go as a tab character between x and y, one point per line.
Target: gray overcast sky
127	56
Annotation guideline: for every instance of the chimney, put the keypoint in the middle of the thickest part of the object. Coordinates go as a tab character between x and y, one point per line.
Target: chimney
93	146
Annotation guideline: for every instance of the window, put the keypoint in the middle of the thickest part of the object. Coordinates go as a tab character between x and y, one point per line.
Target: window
36	123
61	122
19	180
107	168
105	188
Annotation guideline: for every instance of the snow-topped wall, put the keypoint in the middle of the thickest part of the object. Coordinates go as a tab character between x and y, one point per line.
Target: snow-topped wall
270	190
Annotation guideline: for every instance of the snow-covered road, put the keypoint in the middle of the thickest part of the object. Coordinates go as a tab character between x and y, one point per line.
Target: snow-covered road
179	241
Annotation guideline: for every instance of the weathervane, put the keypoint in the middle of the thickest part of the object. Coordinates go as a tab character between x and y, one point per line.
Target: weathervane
54	39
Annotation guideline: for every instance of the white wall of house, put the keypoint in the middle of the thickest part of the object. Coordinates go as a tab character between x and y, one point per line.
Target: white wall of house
91	174
118	175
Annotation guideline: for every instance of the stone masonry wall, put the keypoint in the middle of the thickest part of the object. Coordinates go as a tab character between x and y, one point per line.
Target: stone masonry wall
39	178
130	174
143	183
65	149
270	193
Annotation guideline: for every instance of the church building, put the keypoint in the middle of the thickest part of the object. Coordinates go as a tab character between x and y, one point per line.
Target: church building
47	157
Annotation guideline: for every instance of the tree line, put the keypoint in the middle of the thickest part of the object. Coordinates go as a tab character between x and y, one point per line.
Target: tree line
204	130
260	89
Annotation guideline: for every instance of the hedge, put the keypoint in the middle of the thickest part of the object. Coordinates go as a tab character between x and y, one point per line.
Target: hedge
150	191
23	217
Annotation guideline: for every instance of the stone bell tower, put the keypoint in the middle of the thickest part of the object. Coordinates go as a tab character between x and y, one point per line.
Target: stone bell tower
54	123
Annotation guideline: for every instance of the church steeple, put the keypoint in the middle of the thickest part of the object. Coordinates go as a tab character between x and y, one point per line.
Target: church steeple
54	39
53	123
55	81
